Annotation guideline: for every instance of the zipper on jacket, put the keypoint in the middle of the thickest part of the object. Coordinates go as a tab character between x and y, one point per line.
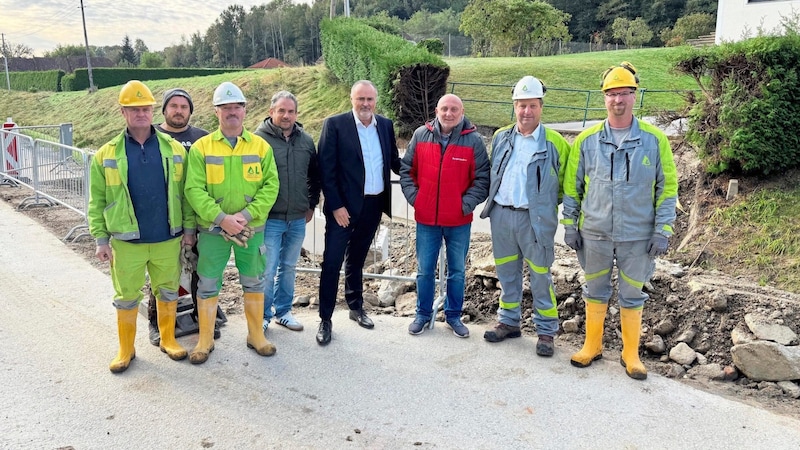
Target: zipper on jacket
439	185
627	167
612	166
539	178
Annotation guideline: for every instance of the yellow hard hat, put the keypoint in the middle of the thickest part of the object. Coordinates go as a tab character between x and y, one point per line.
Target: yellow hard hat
135	93
623	75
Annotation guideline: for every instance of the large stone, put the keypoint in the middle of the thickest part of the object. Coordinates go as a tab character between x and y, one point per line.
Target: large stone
767	329
711	371
741	335
765	360
664	327
682	354
406	304
718	301
656	344
790	389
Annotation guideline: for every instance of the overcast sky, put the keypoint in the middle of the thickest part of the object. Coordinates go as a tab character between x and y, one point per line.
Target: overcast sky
43	24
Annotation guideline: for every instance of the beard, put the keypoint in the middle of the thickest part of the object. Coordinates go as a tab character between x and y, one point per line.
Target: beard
176	121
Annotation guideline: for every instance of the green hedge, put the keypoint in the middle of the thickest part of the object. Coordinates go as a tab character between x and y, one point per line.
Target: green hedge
46	80
747	118
116	76
409	79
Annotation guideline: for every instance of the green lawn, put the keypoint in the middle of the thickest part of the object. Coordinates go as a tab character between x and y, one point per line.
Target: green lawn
570	78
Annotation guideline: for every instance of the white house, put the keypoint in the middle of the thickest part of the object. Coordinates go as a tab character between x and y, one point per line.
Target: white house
741	19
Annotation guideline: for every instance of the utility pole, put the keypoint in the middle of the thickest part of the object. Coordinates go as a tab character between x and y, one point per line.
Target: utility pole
5	61
92	87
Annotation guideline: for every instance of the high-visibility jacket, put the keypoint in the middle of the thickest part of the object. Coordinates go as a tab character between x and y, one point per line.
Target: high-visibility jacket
110	211
623	193
223	180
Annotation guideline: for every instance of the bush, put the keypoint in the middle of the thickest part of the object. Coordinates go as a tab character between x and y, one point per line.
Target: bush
435	45
745	123
114	76
409	80
46	80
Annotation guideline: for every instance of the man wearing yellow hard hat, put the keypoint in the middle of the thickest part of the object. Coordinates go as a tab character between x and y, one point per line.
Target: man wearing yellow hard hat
620	193
232	184
139	216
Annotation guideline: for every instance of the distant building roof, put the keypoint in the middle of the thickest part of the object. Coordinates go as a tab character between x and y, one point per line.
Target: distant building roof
67	64
269	63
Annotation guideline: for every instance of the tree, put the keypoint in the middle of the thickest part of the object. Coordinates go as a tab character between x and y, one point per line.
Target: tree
127	56
151	60
426	23
65	51
689	27
140	48
632	33
17	50
513	27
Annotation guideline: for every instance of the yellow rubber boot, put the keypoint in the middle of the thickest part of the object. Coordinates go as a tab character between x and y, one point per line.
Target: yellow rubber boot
167	312
254	312
631	321
206	316
126	327
593	344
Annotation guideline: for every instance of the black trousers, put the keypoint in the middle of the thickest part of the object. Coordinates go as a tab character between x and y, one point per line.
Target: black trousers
351	246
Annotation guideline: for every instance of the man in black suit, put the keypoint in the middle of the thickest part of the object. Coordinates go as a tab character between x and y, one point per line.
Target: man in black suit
356	150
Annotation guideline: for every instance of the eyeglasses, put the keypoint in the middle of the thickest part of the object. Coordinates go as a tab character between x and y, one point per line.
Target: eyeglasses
616	95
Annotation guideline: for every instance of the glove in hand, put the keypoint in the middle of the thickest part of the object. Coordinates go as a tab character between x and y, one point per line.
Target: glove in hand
239	238
572	237
657	245
188	259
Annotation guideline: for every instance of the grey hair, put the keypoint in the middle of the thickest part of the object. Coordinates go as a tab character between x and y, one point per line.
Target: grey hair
363	82
283	94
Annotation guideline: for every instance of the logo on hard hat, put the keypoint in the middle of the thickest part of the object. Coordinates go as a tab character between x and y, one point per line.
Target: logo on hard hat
229	93
139	94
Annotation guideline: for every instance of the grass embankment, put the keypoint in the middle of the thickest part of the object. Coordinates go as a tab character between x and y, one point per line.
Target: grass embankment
96	117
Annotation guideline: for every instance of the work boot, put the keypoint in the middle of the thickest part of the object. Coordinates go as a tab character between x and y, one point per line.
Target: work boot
501	332
254	313
126	327
167	312
631	321
593	343
206	316
544	346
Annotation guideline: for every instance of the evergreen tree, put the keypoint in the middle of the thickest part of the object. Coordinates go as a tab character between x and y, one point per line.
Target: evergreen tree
127	55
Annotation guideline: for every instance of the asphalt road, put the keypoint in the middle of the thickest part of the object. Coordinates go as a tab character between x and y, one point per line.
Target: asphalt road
378	388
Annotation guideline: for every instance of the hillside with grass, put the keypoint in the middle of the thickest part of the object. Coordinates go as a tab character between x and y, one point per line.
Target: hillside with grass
96	118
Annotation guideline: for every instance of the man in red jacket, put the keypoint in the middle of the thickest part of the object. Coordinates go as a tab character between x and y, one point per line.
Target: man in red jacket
444	175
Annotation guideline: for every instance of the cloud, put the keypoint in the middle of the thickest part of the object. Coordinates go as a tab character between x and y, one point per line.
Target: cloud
46	23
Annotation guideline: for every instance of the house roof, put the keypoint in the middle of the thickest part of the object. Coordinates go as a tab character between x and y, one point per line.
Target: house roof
269	63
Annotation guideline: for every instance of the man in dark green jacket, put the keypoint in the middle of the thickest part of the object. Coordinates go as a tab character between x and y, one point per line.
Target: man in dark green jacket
296	160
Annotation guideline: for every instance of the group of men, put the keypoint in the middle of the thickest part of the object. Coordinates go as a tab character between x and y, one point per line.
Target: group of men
210	193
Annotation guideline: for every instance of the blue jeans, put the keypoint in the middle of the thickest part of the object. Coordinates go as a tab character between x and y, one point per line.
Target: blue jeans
284	240
429	241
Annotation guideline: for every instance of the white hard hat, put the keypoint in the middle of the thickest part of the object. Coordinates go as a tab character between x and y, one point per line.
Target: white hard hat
528	87
228	92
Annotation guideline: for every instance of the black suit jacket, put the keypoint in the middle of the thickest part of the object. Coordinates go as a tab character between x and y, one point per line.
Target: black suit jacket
341	163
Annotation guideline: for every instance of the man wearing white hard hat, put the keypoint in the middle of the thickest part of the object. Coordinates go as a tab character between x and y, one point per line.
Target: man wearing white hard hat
232	183
620	193
528	163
